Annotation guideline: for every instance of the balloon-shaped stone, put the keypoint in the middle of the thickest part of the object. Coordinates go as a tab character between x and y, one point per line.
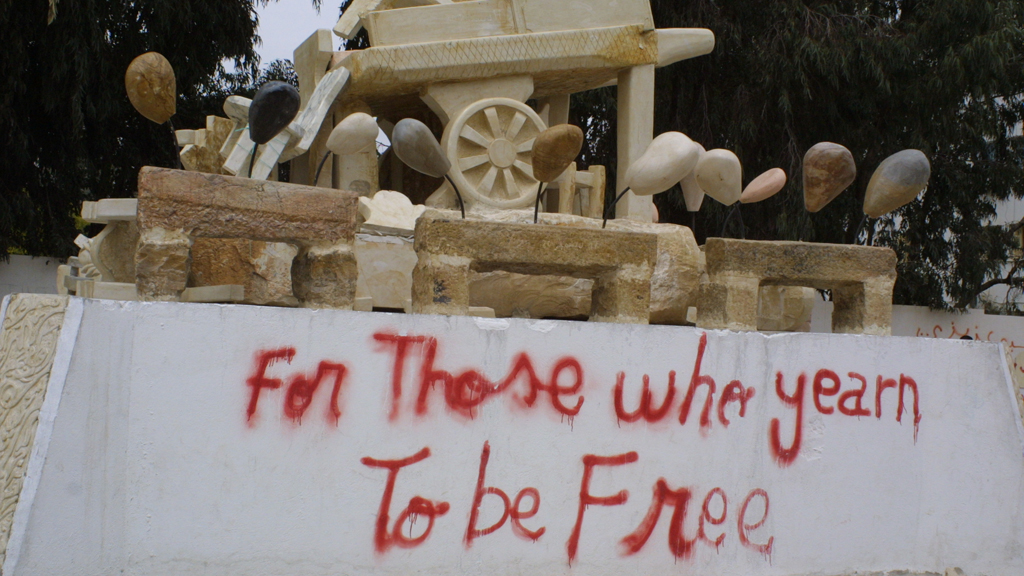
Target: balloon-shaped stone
667	160
416	146
693	194
273	107
897	181
554	149
720	174
151	87
828	170
764	186
356	132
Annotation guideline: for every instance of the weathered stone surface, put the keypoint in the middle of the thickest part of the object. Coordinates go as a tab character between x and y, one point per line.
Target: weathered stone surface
205	156
161	264
897	181
828	170
175	207
448	249
861	279
215	206
263	269
720	174
151	88
354	133
324	276
526	296
764	186
785	308
554	149
415	145
668	159
385	269
674	282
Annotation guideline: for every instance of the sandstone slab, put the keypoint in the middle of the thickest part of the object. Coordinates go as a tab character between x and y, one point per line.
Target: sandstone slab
828	170
450	249
861	279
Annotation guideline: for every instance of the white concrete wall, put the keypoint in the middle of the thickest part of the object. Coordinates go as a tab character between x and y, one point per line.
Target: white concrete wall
23	274
156	467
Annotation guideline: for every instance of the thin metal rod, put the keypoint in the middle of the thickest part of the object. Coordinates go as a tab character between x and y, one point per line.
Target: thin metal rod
462	206
743	228
536	206
252	158
177	149
609	209
728	217
320	167
860	227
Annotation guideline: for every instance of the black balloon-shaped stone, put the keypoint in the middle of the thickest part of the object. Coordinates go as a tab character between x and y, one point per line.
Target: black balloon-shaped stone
273	108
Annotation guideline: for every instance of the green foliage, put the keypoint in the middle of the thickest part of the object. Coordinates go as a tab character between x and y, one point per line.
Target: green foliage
942	76
67	130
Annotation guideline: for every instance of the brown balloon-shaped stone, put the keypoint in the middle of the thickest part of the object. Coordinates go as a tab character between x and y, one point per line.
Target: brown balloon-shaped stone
554	149
828	170
151	88
897	181
764	186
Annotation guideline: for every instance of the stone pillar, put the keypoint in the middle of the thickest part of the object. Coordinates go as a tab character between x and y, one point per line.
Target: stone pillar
622	295
162	261
635	132
729	303
863	308
324	276
440	285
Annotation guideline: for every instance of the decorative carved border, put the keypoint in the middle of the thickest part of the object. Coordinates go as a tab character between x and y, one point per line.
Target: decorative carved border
28	343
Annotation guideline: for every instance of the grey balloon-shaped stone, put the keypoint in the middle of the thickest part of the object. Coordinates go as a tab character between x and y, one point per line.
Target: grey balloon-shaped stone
896	181
273	107
415	145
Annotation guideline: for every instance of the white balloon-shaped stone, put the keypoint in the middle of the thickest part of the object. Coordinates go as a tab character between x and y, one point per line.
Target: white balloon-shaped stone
668	159
720	174
897	181
356	132
693	194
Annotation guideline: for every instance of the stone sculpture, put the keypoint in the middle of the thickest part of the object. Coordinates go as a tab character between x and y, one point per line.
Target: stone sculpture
670	158
764	186
553	151
151	88
693	194
357	131
273	107
720	174
897	181
828	170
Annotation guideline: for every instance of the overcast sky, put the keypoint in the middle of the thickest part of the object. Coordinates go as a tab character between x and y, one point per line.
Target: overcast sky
286	23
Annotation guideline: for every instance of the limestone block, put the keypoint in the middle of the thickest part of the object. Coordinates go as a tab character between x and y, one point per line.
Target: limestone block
324	276
391	210
525	296
263	269
215	206
674	282
785	308
205	156
828	170
620	263
861	279
161	263
385	269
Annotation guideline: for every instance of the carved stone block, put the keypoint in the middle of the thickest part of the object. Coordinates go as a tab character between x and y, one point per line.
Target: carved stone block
861	279
175	207
449	249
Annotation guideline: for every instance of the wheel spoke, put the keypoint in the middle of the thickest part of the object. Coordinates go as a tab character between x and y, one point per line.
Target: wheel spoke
510	183
486	184
515	125
526	146
493	122
475	137
524	168
471	162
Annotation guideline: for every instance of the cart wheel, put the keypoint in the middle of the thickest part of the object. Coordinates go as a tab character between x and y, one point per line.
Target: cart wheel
489	144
